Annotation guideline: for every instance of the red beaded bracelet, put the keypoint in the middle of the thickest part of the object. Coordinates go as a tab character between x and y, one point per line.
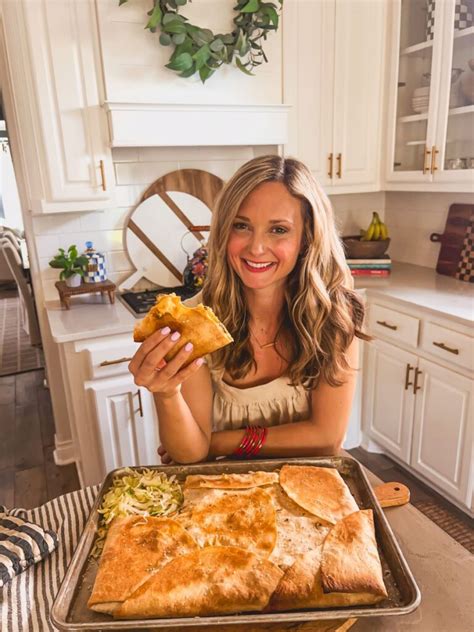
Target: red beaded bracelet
252	442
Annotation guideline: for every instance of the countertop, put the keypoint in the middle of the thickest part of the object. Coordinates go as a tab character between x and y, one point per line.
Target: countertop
92	316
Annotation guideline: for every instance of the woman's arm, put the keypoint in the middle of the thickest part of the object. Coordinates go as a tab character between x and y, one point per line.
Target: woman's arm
185	418
321	435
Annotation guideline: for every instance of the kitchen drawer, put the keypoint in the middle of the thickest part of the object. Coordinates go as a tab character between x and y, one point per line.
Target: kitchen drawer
396	326
111	356
449	345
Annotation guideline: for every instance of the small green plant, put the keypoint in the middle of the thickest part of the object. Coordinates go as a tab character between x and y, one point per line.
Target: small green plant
70	262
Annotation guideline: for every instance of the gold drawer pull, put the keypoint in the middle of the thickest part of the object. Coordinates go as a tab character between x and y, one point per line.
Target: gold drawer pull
102	175
140	407
415	385
442	346
330	170
339	165
434	153
119	361
384	324
426	167
407	376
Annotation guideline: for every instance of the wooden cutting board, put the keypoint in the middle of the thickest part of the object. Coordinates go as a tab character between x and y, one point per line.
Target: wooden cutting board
456	256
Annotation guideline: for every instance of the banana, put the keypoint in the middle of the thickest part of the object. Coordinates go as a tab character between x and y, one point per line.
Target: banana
369	233
376	234
383	231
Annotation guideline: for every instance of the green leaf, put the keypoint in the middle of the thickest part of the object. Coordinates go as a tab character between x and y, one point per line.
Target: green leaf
178	38
155	18
169	17
165	39
272	15
251	7
182	62
205	72
189	72
229	38
216	45
241	67
122	2
174	27
201	56
181	3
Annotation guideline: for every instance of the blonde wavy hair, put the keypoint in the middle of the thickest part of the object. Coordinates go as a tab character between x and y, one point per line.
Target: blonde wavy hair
322	312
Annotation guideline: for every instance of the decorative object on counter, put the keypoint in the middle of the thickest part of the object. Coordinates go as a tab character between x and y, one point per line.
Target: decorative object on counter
376	266
94	269
65	292
377	230
195	271
456	256
356	248
462	15
71	264
430	18
181	201
199	50
467	83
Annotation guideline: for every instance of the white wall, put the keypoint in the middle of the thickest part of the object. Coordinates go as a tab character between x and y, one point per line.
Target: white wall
9	191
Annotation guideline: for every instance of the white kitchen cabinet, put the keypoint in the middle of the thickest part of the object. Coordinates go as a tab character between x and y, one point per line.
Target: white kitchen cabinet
126	422
333	79
417	395
390	392
442	430
52	69
430	121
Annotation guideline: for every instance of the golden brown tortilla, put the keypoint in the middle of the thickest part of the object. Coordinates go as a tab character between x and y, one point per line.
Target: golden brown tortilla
216	517
350	560
198	325
135	548
213	580
231	481
319	490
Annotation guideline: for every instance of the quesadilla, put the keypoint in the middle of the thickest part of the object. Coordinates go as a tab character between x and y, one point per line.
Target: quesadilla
213	580
135	548
198	325
231	481
344	570
319	490
216	517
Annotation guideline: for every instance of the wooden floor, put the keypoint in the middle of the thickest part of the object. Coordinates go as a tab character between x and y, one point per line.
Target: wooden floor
29	477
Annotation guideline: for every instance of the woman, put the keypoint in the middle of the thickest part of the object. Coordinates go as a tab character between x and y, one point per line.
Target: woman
278	280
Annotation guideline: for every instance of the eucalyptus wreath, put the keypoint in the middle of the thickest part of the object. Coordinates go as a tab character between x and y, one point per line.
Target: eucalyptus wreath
199	50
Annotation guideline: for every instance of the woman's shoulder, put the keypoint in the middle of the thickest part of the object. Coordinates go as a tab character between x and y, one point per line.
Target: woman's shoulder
194	301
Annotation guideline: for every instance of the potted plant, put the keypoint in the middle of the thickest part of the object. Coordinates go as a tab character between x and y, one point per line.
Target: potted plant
71	265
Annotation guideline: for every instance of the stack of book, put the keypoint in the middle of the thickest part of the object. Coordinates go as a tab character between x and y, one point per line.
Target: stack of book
379	267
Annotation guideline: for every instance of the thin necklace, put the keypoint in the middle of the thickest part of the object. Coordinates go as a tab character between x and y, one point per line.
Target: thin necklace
268	344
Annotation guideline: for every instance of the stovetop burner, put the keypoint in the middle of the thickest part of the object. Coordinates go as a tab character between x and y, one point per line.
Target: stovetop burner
140	302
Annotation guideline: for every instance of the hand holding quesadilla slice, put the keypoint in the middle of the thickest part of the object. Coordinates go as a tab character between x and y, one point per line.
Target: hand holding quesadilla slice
198	325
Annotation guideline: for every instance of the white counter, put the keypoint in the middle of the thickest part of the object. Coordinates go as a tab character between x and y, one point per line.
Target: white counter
93	316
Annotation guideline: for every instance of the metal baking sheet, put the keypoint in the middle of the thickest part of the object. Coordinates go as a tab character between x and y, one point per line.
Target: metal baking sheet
70	611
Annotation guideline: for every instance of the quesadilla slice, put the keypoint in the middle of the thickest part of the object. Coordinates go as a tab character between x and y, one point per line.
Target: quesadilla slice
319	490
198	325
217	517
135	548
231	481
210	581
350	560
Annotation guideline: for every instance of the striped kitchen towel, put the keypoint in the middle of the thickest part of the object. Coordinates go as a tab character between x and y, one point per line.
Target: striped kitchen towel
26	600
22	543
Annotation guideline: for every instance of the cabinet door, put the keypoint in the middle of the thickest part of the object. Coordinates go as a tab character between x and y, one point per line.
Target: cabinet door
126	422
54	68
308	82
390	398
357	91
442	433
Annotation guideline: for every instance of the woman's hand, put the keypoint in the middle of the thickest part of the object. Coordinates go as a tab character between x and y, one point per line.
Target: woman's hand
165	457
150	369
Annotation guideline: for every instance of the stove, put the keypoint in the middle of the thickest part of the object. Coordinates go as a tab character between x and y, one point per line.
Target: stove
140	302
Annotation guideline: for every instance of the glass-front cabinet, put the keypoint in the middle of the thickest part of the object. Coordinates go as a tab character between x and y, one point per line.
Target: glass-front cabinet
431	110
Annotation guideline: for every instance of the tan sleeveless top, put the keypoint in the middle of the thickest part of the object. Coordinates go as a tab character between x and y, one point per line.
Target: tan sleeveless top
269	404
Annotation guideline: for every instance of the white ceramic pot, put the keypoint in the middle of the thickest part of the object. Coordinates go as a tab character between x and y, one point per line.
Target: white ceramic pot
74	280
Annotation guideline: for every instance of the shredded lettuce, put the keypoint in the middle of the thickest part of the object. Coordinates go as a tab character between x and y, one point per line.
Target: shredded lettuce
138	492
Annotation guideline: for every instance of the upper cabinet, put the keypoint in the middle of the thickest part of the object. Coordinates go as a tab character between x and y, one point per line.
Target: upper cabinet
431	96
51	69
333	79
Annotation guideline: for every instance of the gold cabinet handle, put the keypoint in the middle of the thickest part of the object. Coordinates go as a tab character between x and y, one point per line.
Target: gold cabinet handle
339	165
331	160
426	164
384	324
119	361
442	346
140	407
434	153
102	175
415	385
407	376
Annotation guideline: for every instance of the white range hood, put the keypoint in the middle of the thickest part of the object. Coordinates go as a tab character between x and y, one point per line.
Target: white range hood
181	125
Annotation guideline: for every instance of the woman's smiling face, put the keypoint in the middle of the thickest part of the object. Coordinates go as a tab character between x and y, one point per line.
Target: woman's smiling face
265	238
